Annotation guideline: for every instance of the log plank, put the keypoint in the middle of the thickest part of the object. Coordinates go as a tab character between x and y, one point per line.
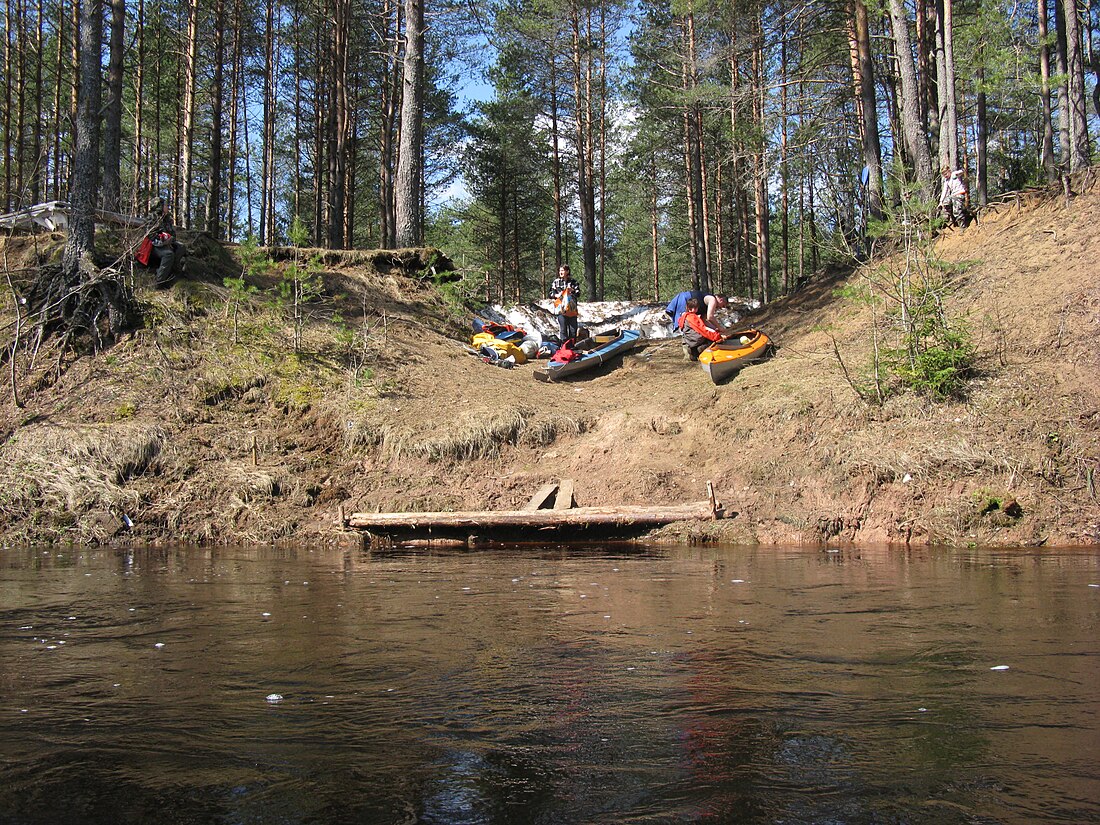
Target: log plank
629	515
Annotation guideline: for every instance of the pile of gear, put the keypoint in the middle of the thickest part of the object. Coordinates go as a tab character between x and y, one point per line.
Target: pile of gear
505	345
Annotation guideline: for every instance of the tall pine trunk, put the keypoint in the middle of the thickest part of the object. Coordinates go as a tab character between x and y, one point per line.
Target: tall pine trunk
1046	156
912	129
949	115
408	179
389	90
190	81
9	92
80	243
1062	68
112	124
582	103
339	124
1075	89
760	170
267	172
868	109
217	98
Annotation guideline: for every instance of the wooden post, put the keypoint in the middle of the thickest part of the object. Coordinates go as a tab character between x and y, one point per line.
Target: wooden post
565	500
255	451
542	497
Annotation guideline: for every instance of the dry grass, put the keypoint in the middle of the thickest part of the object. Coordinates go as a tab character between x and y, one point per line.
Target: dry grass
58	474
470	440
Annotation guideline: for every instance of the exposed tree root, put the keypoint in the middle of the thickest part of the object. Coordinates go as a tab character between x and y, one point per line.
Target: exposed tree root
83	310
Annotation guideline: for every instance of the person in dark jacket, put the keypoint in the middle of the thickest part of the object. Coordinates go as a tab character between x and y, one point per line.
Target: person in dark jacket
567	312
168	252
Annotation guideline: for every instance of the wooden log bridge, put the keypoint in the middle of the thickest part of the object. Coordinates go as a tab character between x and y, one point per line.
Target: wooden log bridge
544	513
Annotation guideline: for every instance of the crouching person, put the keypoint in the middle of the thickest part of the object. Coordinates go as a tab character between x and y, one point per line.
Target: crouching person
698	335
167	252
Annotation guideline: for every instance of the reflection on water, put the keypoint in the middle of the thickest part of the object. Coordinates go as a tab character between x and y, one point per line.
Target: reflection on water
732	685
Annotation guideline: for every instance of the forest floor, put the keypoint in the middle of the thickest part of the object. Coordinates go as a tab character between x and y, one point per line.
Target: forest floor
205	426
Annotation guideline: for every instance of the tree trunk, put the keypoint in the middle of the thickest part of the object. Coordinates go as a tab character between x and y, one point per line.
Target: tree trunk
217	106
555	148
389	90
719	279
409	180
1075	69
982	195
350	166
739	203
112	125
872	151
1047	152
190	81
9	92
80	245
949	115
654	216
927	64
267	174
582	91
1064	106
56	182
217	97
689	195
319	121
784	196
139	121
19	70
339	124
602	85
762	209
913	130
38	175
236	71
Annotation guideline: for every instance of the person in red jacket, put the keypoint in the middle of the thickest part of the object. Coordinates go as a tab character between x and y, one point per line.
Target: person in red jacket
698	335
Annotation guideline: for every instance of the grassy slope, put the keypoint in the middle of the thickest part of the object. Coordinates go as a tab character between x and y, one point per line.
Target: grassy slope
194	433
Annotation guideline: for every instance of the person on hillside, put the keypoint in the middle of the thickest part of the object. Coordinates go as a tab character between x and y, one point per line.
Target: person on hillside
708	305
698	334
953	197
565	293
168	252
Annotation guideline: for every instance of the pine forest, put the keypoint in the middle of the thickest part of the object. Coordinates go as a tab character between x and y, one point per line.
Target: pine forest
737	147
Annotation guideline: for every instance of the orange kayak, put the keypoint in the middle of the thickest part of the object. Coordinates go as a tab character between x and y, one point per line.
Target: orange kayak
724	359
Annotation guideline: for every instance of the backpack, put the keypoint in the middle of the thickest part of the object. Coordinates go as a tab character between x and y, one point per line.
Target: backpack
144	250
566	304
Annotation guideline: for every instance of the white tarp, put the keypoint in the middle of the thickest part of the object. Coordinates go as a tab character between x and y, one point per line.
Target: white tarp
649	319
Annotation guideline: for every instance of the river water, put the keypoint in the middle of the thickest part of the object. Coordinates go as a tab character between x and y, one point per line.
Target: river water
755	685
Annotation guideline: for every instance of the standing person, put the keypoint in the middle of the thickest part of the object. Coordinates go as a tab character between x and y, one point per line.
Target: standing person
167	251
698	334
565	293
953	197
708	307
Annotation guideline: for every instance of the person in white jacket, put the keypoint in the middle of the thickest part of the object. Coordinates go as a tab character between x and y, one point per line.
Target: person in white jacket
953	197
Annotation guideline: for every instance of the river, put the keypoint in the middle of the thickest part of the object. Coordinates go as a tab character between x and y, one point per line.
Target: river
746	685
